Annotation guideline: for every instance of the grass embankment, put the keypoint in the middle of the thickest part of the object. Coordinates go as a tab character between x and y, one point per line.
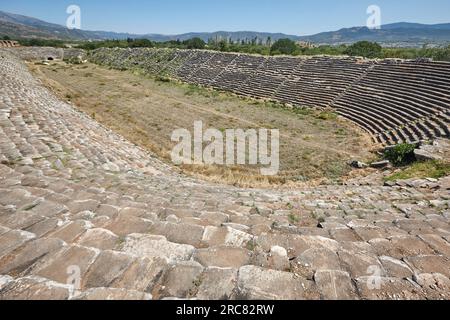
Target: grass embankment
421	170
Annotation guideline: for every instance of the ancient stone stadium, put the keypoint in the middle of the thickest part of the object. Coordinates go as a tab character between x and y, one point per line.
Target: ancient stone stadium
86	214
394	101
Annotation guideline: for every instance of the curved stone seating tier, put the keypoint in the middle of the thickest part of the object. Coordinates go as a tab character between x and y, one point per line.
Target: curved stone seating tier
442	68
380	96
427	102
193	63
379	101
439	89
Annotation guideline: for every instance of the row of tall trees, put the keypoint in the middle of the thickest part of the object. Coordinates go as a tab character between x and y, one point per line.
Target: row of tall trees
256	46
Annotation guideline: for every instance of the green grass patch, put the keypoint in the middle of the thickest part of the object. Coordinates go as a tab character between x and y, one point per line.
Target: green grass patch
162	79
293	218
327	115
422	170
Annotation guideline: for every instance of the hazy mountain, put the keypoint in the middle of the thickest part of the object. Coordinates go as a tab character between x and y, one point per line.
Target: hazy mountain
235	36
403	32
413	34
15	25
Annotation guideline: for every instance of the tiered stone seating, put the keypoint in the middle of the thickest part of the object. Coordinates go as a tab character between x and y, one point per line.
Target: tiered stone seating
320	80
238	72
190	67
159	60
401	102
269	77
176	62
39	53
8	44
207	73
395	101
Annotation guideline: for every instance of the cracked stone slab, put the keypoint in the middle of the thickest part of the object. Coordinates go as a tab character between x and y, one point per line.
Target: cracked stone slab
256	283
112	294
14	239
181	280
124	225
223	256
217	284
99	238
61	266
359	264
383	288
179	233
156	247
401	246
216	236
436	285
437	243
142	275
71	231
24	257
34	288
396	268
430	264
108	266
316	259
335	285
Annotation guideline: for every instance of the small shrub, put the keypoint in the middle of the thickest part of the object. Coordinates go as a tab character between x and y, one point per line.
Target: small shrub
327	115
162	79
72	60
401	154
293	218
284	46
365	49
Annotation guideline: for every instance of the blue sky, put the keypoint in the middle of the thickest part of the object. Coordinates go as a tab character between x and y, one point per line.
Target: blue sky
301	17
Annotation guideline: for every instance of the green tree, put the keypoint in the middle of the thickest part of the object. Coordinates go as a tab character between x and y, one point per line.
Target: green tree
223	45
140	43
194	43
365	49
284	46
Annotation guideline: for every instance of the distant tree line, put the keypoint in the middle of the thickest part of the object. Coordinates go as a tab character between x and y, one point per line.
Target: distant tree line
255	46
194	43
38	42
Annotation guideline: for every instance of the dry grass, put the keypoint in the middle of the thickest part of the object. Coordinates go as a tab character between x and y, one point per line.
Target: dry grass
314	145
422	170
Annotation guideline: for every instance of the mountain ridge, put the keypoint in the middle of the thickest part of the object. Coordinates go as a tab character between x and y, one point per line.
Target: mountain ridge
20	26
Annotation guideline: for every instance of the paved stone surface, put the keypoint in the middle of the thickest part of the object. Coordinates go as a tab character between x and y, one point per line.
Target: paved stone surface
112	294
259	283
76	197
217	284
224	257
335	285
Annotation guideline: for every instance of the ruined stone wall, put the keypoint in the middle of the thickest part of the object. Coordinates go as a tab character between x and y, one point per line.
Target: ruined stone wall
44	53
8	44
